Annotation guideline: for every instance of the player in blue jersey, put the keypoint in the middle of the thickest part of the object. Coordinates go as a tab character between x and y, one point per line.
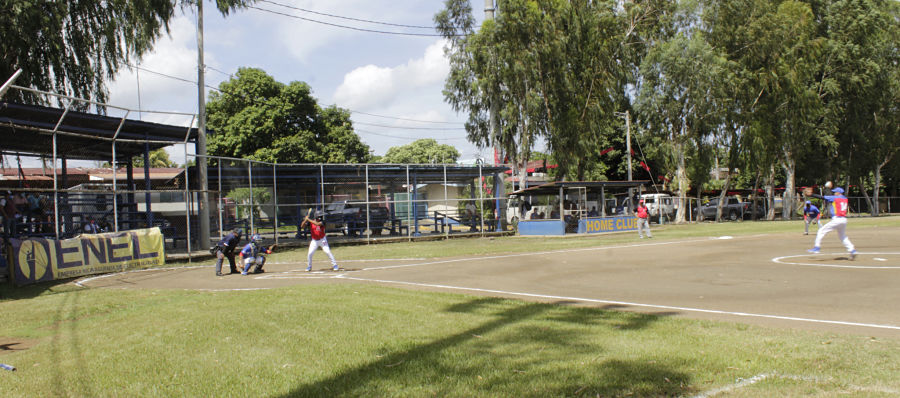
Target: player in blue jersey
811	215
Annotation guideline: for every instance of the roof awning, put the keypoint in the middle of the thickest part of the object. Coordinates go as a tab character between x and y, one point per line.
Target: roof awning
82	135
552	188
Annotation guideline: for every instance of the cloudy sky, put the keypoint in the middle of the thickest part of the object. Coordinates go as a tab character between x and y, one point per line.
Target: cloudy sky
391	83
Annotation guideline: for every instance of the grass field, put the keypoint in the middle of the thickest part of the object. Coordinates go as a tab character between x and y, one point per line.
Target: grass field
347	339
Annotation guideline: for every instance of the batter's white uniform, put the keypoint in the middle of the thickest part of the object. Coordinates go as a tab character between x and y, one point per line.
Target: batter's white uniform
317	233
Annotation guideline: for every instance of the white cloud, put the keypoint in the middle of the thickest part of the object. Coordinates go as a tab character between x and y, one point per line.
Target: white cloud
174	55
371	85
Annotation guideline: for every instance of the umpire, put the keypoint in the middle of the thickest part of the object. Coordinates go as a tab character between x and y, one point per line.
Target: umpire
225	248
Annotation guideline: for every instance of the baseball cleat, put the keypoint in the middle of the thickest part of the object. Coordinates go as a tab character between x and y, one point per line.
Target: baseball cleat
308	269
853	255
335	268
814	250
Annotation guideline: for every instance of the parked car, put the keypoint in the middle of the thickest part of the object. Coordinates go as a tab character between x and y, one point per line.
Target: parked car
733	209
351	217
659	202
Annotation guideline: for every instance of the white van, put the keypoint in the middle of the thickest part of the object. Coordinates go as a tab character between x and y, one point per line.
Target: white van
659	202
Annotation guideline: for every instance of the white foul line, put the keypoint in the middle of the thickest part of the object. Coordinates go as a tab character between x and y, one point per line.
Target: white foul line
753	380
456	260
625	303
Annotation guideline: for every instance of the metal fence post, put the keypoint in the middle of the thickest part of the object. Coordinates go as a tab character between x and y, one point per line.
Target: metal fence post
408	207
446	203
275	194
322	185
368	209
187	206
221	209
481	198
250	182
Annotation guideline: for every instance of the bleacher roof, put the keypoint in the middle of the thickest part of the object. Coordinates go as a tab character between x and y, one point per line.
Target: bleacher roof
82	135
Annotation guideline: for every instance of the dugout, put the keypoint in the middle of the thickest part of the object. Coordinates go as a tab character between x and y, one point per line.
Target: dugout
58	136
578	207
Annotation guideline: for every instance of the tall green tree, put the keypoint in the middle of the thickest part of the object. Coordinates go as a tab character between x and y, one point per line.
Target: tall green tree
495	67
158	159
255	117
75	47
862	72
426	150
674	103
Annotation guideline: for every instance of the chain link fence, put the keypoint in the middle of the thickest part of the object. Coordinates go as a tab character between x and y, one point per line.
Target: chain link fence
357	202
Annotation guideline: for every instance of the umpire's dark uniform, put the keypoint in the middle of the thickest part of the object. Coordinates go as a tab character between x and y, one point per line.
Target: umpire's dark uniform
225	248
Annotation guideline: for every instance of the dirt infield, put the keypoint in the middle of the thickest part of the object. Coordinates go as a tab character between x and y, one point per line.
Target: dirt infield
761	279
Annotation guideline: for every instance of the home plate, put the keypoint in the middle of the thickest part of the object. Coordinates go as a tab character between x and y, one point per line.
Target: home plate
879	259
725	237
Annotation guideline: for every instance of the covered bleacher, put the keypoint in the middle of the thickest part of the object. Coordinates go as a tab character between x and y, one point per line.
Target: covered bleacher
70	198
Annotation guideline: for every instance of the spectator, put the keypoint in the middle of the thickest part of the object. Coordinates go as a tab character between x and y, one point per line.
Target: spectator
526	206
91	226
9	213
593	212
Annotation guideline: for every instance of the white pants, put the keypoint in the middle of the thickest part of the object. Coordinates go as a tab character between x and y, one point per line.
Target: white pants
316	243
643	224
838	224
810	220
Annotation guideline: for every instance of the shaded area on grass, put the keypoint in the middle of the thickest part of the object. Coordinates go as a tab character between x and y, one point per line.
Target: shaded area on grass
501	358
8	291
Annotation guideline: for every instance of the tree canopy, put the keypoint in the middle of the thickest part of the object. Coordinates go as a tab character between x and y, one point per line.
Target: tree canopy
778	92
426	150
75	47
255	117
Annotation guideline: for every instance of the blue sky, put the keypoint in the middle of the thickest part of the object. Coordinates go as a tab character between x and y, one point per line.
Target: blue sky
390	75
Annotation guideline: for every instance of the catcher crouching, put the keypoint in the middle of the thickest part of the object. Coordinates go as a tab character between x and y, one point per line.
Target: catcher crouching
254	254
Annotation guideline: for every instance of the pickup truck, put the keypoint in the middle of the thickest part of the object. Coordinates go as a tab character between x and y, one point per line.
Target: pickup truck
350	217
733	209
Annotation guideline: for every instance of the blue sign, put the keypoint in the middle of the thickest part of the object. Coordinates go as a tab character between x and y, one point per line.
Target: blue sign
542	227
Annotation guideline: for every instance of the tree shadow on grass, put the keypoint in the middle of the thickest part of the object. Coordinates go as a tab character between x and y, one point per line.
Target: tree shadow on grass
464	364
9	291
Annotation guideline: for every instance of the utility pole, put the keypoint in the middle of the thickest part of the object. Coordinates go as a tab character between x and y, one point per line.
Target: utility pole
203	205
500	191
495	123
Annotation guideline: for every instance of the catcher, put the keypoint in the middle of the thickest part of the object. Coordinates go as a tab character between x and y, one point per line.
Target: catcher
255	254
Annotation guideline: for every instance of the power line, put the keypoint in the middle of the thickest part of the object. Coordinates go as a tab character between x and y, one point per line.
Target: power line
194	82
347	18
404	119
345	26
216	70
411	128
408	138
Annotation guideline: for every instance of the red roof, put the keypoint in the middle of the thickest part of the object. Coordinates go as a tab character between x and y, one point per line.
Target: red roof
533	165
